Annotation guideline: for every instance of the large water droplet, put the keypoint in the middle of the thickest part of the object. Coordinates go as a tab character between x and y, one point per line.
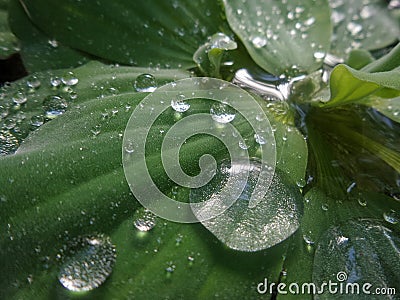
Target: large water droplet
271	221
145	220
54	106
361	252
222	113
87	263
145	83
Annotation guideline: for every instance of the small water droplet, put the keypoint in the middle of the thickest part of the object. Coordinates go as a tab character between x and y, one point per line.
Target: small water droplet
179	105
87	263
243	144
222	113
55	82
260	138
19	98
354	28
308	240
129	147
391	217
8	143
145	220
362	201
3	111
170	268
54	106
350	187
53	43
325	207
37	120
178	239
9	123
33	82
96	130
259	42
70	79
145	83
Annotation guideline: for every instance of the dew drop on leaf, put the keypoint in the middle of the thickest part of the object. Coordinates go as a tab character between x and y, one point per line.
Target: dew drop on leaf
69	79
391	217
33	82
55	82
144	220
8	143
3	111
222	113
19	98
87	263
37	120
145	83
54	106
180	105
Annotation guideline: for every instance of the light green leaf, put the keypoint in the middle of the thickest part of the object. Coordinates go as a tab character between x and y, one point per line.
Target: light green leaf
156	33
38	51
360	25
363	252
359	58
348	85
282	38
8	42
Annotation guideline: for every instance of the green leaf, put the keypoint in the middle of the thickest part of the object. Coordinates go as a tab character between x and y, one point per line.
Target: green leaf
359	25
359	58
348	85
32	111
389	107
292	151
282	38
38	51
387	62
66	181
365	250
8	42
157	33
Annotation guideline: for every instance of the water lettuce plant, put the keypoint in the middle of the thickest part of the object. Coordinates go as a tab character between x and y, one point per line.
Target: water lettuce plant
325	73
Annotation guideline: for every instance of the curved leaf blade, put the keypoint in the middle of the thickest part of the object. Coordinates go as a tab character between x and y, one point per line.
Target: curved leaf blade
157	33
8	42
359	25
282	38
348	85
39	52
